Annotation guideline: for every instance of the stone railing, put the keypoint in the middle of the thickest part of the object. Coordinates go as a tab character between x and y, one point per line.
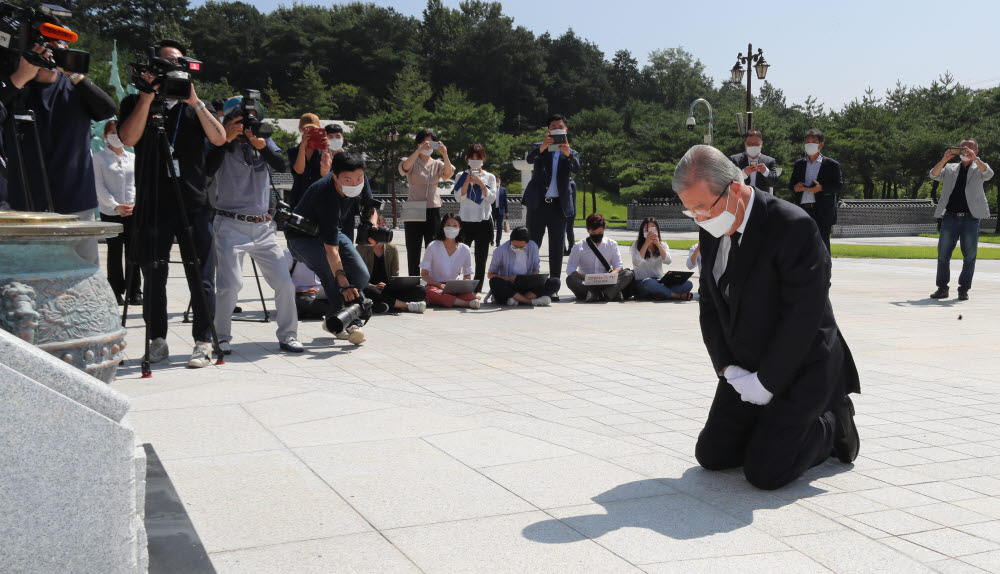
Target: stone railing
855	217
72	474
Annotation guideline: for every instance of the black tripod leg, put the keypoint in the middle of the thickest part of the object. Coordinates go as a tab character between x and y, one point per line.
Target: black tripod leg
29	198
267	314
41	161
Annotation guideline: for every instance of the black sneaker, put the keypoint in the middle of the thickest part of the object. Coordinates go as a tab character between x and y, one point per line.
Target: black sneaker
941	293
963	294
846	441
119	299
380	307
135	298
555	298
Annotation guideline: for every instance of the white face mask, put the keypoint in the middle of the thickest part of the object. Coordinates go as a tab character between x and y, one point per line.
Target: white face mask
336	144
475	164
812	148
451	232
352	190
720	224
114	141
967	157
753	151
518	249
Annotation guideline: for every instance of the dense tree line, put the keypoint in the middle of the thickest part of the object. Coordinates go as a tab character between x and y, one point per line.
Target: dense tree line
475	75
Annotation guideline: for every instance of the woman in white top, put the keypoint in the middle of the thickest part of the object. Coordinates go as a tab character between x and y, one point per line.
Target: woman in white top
649	255
476	189
447	258
114	173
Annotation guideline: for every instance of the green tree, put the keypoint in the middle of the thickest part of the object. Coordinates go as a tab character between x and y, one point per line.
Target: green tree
312	95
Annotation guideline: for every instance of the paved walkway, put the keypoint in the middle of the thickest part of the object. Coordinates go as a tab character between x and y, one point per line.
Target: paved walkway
561	440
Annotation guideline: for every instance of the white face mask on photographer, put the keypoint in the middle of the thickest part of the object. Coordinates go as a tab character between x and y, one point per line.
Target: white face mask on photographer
753	151
451	232
475	164
114	141
812	148
720	224
336	144
968	157
352	190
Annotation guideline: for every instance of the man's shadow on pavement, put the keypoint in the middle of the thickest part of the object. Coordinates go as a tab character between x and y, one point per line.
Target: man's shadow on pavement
705	503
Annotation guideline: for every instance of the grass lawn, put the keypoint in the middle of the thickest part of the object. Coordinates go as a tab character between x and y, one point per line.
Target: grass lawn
983	237
868	251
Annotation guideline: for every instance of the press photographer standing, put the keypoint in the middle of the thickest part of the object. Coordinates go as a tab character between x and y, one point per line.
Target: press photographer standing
190	125
242	224
64	105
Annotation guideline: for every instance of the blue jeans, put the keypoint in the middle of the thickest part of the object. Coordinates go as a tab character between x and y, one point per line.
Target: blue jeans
651	289
312	252
956	229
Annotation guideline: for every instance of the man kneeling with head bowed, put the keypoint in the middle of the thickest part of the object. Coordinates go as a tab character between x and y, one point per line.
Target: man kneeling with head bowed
781	405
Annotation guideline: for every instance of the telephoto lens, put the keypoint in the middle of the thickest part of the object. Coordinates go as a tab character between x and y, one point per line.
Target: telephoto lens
339	322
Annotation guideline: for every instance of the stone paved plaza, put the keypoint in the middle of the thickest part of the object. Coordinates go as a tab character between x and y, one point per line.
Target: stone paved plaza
562	440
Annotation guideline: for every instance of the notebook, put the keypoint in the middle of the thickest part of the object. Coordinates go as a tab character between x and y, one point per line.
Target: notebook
675	278
460	286
534	283
402	283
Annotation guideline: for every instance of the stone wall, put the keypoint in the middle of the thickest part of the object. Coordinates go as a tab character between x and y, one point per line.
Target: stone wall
72	474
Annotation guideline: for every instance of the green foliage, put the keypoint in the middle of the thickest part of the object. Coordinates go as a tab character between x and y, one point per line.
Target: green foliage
283	139
312	95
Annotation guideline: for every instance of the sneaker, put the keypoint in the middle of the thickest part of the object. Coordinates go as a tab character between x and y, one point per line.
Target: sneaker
380	307
475	304
158	350
963	294
416	306
201	356
292	346
512	302
543	301
355	335
225	348
590	298
941	293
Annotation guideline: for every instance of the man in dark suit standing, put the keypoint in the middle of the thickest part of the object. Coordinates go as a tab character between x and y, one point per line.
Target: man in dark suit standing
499	210
816	181
784	369
759	170
547	199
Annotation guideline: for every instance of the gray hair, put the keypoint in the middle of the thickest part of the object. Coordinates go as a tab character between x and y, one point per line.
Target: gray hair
705	163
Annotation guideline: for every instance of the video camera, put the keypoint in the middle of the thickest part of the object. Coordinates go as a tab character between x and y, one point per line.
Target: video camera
250	120
21	28
174	79
285	218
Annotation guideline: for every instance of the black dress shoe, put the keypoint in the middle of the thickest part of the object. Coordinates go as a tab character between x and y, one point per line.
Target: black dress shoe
120	299
555	298
846	441
963	294
135	299
941	293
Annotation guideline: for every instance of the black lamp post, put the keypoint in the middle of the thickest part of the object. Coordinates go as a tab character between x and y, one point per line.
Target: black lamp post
392	136
760	67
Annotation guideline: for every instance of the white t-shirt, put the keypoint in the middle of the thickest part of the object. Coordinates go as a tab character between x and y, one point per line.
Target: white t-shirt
650	267
443	267
302	276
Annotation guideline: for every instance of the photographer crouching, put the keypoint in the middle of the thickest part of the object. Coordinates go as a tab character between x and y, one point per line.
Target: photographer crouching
331	254
242	224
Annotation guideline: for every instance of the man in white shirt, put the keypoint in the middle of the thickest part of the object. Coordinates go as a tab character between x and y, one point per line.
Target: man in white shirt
584	261
760	171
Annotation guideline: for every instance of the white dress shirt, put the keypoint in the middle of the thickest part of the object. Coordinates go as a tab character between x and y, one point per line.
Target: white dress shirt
649	267
812	172
722	255
582	258
469	210
115	178
443	267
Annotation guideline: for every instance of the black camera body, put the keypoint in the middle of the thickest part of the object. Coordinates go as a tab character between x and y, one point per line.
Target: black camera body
251	122
369	230
21	28
285	218
174	79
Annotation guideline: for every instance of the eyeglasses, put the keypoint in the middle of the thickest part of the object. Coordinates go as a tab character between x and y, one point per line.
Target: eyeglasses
694	213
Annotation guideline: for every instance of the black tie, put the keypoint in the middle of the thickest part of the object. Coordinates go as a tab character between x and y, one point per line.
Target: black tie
734	245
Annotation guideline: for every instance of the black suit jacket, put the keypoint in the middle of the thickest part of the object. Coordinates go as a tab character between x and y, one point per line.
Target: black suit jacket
742	161
832	181
541	175
778	321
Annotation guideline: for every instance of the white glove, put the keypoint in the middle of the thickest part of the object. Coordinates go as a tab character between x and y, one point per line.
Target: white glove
734	372
750	389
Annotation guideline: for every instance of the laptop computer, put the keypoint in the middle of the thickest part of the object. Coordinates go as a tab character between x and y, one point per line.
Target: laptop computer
534	282
402	283
675	278
460	286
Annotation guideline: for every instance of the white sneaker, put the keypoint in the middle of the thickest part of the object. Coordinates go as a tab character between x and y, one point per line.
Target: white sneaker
417	307
292	345
475	304
543	301
355	335
512	302
158	350
590	297
201	356
225	347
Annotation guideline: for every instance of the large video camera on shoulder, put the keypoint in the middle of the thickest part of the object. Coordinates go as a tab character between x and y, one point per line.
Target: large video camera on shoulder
174	78
251	121
22	28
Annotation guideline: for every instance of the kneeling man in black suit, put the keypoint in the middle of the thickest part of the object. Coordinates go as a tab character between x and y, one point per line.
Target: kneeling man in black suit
784	369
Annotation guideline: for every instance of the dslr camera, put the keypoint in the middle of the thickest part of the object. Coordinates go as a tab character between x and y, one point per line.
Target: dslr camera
174	79
342	320
21	28
368	227
285	218
251	121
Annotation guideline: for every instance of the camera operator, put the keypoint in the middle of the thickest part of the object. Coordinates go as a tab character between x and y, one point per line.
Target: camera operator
332	255
382	260
64	105
190	125
242	224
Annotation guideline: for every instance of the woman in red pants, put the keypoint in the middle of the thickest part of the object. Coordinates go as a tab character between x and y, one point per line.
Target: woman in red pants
447	258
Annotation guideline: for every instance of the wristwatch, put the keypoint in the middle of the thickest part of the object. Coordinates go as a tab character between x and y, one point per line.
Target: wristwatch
74	76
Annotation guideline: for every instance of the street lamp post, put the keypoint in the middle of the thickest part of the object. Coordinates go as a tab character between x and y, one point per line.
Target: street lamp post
760	68
393	136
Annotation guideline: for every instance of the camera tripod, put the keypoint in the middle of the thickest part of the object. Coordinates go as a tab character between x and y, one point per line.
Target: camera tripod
147	204
23	115
260	291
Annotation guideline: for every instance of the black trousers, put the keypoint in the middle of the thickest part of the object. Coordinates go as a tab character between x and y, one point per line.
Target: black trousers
480	232
774	443
610	293
498	218
154	300
419	234
118	245
570	238
503	289
390	296
825	228
308	306
549	217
